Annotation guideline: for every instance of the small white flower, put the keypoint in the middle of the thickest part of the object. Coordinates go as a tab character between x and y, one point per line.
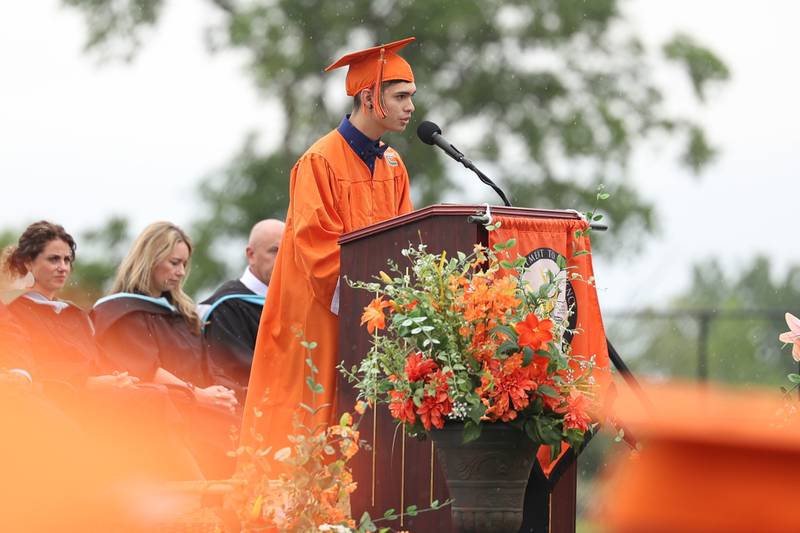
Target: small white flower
459	411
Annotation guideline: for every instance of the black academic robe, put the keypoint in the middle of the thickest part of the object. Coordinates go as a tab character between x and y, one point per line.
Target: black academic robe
29	460
139	336
230	330
61	345
140	423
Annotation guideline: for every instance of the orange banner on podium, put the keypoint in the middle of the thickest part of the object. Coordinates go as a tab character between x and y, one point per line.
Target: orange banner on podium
547	245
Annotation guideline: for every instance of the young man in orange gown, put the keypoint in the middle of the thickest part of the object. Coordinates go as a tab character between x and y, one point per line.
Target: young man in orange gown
347	180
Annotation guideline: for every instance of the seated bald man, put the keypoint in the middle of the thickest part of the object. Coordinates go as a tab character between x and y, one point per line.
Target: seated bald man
232	314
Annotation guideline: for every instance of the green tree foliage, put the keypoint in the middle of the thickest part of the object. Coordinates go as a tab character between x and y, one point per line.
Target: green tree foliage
745	315
101	251
703	65
121	22
549	96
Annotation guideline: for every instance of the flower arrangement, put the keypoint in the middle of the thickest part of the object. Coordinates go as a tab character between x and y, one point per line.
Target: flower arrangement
466	339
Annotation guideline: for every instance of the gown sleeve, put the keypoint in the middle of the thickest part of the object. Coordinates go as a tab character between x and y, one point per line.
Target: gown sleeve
317	226
129	346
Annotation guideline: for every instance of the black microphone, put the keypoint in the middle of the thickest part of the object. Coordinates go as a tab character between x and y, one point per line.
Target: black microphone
430	133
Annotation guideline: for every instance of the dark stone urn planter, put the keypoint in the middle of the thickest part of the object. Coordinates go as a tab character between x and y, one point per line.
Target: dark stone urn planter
486	477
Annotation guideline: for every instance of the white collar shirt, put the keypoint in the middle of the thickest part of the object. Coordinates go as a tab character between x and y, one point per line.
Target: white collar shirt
253	283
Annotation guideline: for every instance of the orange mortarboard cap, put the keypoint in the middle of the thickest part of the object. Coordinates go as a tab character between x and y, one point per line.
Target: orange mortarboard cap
370	67
712	460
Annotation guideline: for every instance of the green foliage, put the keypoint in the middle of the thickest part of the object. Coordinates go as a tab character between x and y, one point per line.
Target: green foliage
100	253
8	237
698	152
253	187
555	95
111	22
702	64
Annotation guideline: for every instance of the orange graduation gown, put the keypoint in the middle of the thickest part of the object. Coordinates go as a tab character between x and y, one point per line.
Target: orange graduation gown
331	192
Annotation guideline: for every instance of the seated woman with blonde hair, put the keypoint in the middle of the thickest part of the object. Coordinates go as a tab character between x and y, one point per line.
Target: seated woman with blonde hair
148	327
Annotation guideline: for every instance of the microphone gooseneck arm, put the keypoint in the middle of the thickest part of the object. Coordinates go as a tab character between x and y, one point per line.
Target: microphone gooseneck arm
456	154
485	179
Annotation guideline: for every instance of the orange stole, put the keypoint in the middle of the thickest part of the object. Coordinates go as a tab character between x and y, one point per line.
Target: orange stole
542	241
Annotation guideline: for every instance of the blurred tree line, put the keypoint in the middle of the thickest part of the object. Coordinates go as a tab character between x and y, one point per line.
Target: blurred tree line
551	97
726	322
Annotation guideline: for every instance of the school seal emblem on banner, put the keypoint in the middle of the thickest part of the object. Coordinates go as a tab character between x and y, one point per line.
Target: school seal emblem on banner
540	264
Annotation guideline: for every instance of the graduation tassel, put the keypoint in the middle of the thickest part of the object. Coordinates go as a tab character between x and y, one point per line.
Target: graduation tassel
380	111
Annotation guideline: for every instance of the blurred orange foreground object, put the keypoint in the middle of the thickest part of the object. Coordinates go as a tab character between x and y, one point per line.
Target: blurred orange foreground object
713	460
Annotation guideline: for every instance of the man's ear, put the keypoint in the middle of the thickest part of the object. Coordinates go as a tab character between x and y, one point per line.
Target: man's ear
366	98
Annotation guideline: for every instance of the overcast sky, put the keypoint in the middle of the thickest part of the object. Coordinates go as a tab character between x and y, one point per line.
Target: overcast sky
81	141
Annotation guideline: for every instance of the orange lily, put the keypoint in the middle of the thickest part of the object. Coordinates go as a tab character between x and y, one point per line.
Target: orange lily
534	332
373	315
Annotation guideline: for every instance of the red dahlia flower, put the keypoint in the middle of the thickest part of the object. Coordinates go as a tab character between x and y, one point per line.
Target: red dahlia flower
418	368
576	412
402	408
434	407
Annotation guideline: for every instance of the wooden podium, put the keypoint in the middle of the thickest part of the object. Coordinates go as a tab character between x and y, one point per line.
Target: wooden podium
399	471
